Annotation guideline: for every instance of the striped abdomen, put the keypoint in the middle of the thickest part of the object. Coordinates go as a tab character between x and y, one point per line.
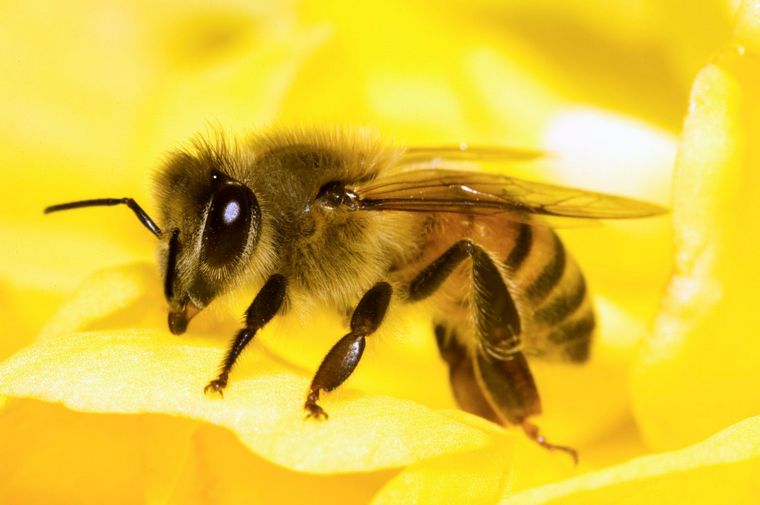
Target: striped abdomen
549	288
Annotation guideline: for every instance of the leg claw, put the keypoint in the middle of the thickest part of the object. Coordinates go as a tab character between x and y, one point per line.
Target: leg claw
315	411
215	386
531	430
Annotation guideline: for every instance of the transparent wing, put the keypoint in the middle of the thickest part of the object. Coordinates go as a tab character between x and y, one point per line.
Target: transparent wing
441	190
437	155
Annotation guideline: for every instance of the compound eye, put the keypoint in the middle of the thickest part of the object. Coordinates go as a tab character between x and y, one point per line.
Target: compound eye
228	224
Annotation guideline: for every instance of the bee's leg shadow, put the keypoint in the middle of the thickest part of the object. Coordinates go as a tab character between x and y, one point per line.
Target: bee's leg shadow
344	356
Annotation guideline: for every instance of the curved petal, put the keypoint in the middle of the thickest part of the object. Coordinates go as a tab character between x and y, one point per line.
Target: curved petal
698	372
721	469
107	458
139	370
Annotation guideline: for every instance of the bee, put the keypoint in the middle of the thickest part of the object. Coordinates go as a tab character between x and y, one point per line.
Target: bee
343	219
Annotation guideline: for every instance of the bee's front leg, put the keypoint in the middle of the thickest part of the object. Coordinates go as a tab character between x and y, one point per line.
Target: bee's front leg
263	308
342	359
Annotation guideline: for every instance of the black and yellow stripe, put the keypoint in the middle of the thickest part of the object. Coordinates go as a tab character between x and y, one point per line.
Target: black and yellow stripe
553	295
550	274
521	249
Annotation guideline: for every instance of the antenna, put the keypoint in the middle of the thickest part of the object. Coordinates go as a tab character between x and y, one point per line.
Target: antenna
107	202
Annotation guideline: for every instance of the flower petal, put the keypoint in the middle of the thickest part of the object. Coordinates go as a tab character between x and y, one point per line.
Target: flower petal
135	371
476	477
698	372
100	458
147	370
222	470
722	469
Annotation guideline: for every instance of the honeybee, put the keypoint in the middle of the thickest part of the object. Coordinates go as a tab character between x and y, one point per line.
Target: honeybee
349	221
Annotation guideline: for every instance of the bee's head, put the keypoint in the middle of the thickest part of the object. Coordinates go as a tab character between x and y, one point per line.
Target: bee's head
211	223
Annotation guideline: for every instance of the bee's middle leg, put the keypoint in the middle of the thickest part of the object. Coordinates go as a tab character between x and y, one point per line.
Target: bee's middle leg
344	356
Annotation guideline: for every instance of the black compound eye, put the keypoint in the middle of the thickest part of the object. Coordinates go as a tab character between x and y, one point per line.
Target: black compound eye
228	224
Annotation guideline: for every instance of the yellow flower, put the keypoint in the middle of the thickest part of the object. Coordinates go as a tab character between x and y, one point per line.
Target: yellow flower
102	404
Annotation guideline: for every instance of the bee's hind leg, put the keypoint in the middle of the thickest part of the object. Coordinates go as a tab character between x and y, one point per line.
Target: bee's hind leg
464	384
508	383
498	365
343	358
532	431
469	397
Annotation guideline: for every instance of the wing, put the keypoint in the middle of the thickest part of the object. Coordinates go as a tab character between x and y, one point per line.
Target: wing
434	157
468	192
